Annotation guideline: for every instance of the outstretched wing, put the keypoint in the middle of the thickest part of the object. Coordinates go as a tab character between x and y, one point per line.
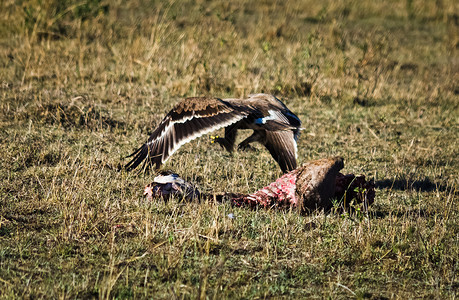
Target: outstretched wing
189	119
283	148
280	127
275	108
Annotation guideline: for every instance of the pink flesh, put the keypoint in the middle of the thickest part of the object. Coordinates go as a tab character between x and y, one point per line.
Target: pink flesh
279	193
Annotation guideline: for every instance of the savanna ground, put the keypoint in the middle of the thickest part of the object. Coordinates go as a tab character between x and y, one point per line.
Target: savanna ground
84	83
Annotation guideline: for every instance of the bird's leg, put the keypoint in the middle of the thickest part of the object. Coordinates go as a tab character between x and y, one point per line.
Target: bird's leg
222	141
230	136
255	137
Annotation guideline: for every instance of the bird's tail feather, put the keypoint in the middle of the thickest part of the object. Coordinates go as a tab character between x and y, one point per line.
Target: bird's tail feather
139	155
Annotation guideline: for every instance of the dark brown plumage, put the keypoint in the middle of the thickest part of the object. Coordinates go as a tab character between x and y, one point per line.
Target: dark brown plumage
274	125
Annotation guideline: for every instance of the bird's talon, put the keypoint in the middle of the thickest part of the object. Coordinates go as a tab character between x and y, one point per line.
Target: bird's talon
246	148
213	138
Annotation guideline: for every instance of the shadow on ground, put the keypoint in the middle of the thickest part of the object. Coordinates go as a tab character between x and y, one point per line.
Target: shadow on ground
424	185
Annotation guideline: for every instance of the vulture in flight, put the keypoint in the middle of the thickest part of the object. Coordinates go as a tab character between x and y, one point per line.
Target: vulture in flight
273	125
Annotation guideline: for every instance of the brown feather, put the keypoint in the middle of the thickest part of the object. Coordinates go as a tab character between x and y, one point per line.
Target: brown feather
281	145
273	123
188	120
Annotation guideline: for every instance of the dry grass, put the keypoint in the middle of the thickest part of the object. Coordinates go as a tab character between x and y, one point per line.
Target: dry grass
83	83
